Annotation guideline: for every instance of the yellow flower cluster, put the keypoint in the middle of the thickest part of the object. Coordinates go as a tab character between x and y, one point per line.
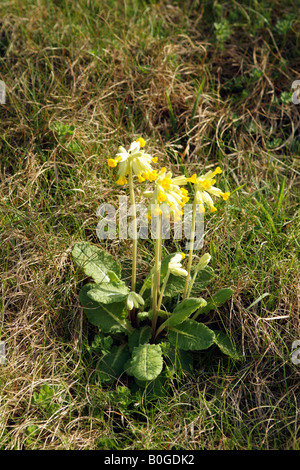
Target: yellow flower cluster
167	189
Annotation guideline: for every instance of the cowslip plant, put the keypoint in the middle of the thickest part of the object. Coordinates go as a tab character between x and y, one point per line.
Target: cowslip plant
151	332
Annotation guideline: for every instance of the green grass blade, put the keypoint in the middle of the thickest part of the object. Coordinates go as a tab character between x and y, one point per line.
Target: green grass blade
268	216
196	102
172	115
280	196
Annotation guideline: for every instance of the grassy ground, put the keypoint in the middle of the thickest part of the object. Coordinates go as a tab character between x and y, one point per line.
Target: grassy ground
211	81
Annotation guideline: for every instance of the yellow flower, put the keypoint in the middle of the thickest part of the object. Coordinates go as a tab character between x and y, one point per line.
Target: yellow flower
204	189
183	191
206	184
141	142
225	196
121	180
141	178
162	197
112	162
193	179
166	183
141	162
152	175
157	211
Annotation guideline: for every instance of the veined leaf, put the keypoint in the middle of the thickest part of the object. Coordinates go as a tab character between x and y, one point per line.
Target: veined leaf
107	293
227	346
112	364
154	389
191	336
109	318
95	262
182	311
147	362
219	298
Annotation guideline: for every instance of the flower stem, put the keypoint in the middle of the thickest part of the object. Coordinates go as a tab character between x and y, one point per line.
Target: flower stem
134	227
192	283
163	290
156	274
191	249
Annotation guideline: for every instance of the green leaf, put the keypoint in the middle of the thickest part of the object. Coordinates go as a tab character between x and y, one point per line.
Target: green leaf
95	262
182	311
227	346
219	298
138	337
213	253
107	293
109	318
147	362
191	335
111	366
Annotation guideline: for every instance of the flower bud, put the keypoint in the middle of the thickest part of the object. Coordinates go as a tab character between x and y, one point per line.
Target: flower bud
134	300
203	262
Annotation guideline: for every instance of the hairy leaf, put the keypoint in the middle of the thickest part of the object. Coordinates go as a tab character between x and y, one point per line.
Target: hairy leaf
183	310
95	262
147	362
107	293
109	318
